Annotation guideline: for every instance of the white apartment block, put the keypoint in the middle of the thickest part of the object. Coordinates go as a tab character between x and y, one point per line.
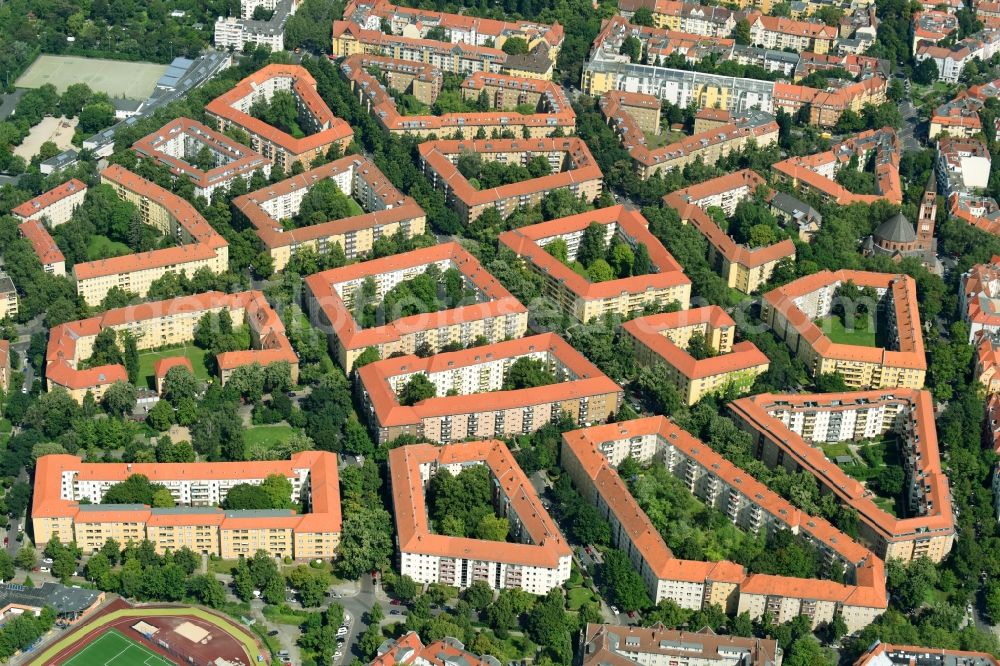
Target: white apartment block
54	207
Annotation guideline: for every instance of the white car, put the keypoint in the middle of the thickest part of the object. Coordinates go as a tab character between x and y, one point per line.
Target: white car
44	569
47	560
614	610
342	631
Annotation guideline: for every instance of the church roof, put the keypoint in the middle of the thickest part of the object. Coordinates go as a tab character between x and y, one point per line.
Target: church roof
897	229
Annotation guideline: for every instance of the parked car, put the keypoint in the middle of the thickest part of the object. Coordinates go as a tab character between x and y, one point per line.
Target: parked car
395	602
614	610
44	569
273	632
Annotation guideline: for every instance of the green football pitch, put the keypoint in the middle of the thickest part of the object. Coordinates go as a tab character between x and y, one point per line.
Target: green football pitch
113	648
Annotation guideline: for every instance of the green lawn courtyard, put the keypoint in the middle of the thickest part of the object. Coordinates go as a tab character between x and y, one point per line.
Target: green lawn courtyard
861	333
102	247
268	435
115	649
148	359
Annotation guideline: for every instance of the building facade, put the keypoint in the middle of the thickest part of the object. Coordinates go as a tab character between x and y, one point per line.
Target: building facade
470	400
536	558
54	207
68	493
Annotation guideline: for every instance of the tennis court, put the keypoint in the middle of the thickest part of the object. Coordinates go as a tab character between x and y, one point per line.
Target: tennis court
117	78
113	648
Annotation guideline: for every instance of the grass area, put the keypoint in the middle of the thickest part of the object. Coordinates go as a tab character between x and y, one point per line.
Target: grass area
577	597
862	332
268	435
72	637
148	359
886	504
221	566
835	449
102	247
115	649
284	615
664	138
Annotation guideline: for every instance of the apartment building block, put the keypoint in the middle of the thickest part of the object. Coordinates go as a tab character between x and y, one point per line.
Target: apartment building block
951	60
387	211
8	297
182	142
573	169
536	558
744	268
628	646
55	206
689	17
470	400
504	93
48	253
5	365
200	245
322	129
788	429
980	300
159	324
827	105
930	27
981	212
335	300
957	118
816	173
884	654
587	456
963	165
577	296
236	33
473	44
68	494
624	111
791	312
409	650
662	341
775	32
991	439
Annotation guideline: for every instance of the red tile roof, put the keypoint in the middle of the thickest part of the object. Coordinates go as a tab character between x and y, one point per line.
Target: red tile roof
375	379
324	491
41	242
163	365
303	85
546	547
36	207
323	288
630	223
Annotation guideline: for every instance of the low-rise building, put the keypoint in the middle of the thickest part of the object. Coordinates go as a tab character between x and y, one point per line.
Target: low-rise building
470	400
209	159
590	456
816	173
322	130
573	169
48	253
165	365
792	310
55	206
632	646
963	165
629	114
386	211
802	217
536	558
70	604
68	493
662	340
163	323
337	297
884	654
576	295
504	94
744	268
788	430
200	246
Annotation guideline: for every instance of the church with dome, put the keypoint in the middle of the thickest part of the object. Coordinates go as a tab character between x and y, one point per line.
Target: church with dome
897	238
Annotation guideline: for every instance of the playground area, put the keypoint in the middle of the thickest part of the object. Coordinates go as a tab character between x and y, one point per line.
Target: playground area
117	78
57	130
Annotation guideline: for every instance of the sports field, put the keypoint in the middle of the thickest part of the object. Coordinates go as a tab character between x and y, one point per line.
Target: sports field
133	80
115	649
